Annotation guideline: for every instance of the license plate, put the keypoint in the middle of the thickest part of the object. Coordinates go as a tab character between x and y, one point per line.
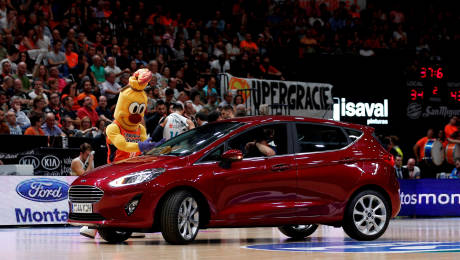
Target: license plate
82	208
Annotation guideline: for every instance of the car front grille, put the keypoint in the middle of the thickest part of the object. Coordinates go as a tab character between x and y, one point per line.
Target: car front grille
85	194
87	217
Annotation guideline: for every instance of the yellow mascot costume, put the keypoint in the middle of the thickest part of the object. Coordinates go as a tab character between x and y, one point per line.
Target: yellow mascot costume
126	136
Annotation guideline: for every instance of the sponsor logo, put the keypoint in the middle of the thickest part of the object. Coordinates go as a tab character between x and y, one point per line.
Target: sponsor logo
30	160
429	198
442	111
43	190
29	216
414	111
363	247
50	162
374	113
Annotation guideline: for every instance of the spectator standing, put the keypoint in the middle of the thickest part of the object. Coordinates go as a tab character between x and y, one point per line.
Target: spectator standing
451	127
419	147
455	174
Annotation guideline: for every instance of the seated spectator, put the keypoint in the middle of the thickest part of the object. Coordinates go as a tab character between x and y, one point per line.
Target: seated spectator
71	91
21	75
35	127
110	89
15	129
70	56
87	92
455	174
56	57
240	110
54	74
54	106
212	102
68	127
228	97
401	172
196	99
86	130
87	111
50	126
38	91
267	71
248	45
220	65
413	171
97	71
227	112
103	111
20	117
38	107
4	129
112	68
210	88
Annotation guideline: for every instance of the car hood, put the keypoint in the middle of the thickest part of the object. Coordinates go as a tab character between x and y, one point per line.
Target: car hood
121	168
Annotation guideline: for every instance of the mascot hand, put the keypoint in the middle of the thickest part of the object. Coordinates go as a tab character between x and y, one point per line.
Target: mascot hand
149	145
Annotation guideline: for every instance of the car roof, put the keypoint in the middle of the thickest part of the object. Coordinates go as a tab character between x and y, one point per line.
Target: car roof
275	118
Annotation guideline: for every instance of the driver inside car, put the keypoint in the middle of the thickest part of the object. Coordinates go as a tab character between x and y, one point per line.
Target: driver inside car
263	146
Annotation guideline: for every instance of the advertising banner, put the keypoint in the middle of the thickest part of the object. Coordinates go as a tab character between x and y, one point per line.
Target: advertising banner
303	98
34	200
46	161
430	197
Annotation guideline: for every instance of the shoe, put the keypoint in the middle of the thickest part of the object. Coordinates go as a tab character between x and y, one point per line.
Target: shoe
88	232
137	235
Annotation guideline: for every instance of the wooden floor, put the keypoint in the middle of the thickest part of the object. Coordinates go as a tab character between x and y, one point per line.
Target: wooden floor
403	234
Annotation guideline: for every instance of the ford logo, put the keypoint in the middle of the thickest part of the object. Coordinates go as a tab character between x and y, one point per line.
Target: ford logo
30	160
43	190
50	162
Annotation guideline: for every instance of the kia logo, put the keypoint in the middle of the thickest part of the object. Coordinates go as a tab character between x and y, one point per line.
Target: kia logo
50	162
30	160
43	190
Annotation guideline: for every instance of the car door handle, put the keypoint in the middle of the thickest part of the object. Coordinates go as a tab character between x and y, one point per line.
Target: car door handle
280	167
348	160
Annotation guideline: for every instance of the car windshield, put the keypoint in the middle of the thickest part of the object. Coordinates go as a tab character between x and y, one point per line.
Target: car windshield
195	139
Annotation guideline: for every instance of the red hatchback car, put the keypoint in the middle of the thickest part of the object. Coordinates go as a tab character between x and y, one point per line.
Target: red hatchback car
274	171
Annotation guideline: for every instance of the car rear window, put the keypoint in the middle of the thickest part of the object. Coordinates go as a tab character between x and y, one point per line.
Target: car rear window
316	137
353	134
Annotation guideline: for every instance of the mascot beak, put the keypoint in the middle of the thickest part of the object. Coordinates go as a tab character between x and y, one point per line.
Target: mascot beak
134	118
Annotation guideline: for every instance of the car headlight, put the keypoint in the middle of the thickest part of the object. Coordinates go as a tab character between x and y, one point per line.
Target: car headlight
137	177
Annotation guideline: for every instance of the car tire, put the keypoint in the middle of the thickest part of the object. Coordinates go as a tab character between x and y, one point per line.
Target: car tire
180	218
298	231
113	236
367	216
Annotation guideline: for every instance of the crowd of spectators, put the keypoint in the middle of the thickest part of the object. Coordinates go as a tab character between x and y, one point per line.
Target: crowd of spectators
63	63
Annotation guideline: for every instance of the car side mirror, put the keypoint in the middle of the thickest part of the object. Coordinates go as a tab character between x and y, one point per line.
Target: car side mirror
232	155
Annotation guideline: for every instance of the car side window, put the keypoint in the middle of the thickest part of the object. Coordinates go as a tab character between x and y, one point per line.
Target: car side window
274	135
353	134
215	155
316	137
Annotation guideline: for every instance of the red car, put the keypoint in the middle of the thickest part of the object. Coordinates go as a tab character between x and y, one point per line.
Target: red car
273	171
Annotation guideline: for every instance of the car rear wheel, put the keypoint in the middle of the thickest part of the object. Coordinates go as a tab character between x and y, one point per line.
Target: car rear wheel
113	236
367	216
298	231
180	218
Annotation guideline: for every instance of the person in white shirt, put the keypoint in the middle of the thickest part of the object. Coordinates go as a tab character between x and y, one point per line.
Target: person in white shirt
110	88
414	171
175	124
112	68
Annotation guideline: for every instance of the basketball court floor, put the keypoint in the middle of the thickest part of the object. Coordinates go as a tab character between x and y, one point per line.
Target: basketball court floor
405	239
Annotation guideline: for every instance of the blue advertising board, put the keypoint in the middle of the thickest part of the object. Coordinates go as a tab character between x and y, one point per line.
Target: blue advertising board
430	197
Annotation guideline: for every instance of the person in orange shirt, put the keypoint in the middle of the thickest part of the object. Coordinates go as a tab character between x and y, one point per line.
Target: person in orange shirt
87	88
451	127
35	126
70	56
248	45
419	147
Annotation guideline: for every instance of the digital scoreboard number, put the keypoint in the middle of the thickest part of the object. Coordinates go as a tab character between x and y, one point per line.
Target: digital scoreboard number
430	86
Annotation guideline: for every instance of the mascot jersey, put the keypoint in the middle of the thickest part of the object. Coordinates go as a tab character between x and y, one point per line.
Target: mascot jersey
116	154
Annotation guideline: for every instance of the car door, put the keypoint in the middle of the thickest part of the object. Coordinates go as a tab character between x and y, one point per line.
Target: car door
257	187
324	169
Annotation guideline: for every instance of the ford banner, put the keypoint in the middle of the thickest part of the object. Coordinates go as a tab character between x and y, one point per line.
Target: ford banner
430	197
29	200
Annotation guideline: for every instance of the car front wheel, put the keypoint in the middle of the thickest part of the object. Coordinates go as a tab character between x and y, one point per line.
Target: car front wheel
180	218
367	216
298	231
113	236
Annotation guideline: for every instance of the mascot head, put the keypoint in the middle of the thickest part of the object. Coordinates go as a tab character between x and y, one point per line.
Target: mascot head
132	101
